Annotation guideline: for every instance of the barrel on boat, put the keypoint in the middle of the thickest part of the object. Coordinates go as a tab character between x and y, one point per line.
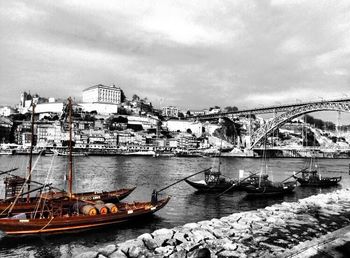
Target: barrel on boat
111	207
88	210
101	207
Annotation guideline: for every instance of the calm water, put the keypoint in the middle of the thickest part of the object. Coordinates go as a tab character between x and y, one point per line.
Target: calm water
147	173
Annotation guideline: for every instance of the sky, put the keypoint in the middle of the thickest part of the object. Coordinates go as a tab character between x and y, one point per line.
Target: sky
191	54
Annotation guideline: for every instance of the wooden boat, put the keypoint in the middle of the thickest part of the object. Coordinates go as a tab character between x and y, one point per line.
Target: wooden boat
269	188
215	182
310	176
58	220
14	184
187	153
314	178
261	186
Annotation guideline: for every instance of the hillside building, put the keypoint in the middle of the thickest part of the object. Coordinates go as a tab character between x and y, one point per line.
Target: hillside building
103	94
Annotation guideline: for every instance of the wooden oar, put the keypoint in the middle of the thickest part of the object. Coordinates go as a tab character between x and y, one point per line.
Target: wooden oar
8	171
35	182
235	185
291	176
33	190
183	179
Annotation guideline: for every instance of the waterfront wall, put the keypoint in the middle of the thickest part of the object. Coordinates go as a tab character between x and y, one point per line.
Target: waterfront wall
267	232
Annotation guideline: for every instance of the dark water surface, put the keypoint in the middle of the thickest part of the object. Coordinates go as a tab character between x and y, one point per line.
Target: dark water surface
147	173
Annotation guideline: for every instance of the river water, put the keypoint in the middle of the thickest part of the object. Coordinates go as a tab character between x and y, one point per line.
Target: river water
147	173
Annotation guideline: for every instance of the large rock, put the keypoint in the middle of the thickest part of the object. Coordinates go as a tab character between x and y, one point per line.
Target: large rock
89	254
201	234
162	235
118	254
107	250
164	250
127	245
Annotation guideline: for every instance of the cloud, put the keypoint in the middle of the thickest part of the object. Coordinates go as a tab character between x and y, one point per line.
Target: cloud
191	54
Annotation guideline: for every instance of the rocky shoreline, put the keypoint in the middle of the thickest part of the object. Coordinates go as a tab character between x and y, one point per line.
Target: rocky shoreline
269	232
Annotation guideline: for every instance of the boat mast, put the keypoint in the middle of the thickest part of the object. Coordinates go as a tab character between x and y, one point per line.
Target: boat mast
220	156
70	160
31	153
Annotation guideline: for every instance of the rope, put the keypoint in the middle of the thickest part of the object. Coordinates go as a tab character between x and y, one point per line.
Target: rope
26	181
46	182
6	209
46	224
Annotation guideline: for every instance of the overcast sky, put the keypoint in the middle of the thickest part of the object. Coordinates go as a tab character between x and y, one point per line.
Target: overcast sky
191	54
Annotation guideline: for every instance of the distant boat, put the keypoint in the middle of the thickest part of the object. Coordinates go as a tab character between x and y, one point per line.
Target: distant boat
139	153
269	188
263	187
311	176
188	153
213	182
74	154
6	152
314	178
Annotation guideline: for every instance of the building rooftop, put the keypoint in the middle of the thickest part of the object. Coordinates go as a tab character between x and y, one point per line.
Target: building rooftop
103	87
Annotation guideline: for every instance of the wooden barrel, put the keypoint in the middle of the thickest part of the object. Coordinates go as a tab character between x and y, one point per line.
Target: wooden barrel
111	207
101	207
88	210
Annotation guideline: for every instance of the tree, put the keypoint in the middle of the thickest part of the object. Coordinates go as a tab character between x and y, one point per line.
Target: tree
231	109
135	97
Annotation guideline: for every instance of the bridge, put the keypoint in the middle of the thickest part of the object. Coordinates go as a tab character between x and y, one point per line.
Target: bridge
283	113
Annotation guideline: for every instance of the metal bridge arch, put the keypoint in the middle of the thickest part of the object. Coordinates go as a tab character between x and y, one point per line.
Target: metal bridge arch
259	134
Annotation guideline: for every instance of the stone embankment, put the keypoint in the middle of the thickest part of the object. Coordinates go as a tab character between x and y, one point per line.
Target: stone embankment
269	232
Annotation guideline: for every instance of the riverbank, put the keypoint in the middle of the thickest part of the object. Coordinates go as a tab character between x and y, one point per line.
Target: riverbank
334	244
267	232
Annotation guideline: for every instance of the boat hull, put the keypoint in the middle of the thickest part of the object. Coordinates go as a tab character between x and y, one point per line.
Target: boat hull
316	182
23	206
219	187
63	224
264	191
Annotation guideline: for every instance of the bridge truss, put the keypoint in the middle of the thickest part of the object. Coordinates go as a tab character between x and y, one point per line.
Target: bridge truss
258	135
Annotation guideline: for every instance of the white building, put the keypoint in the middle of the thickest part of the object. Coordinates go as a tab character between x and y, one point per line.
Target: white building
6	111
103	94
100	108
170	111
147	122
184	126
49	107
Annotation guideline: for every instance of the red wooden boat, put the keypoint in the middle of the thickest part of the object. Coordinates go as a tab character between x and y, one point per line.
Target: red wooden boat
24	204
60	220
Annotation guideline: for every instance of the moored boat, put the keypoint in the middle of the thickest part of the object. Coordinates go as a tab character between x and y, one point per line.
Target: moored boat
59	219
313	178
216	182
269	188
311	175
